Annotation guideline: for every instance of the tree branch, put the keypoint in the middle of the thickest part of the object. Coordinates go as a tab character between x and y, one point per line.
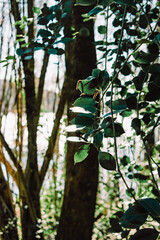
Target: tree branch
52	141
8	166
41	82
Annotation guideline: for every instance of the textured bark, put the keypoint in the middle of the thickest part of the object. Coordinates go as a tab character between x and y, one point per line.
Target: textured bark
77	215
7	213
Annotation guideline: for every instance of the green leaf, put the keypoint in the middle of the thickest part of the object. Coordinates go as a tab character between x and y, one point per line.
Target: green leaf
64	40
144	58
86	120
97	141
20	52
96	72
81	153
102	29
130	3
56	51
126	70
145	234
107	161
134	217
28	57
85	2
130	192
151	205
43	21
119	104
125	160
136	124
10	57
88	86
44	33
108	132
36	10
115	226
131	101
86	102
143	41
126	113
95	11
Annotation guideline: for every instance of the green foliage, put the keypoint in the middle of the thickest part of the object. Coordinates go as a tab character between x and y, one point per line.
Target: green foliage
130	90
81	154
107	161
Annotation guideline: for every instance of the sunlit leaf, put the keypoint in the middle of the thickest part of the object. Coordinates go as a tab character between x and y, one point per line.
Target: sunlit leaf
81	153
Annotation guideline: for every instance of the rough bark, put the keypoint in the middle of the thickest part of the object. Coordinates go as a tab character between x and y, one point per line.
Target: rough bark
77	215
8	224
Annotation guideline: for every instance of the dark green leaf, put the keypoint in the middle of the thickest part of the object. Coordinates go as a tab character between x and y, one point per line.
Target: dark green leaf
119	104
146	118
134	217
154	68
43	21
85	2
131	102
130	192
108	132
126	2
144	58
102	29
97	141
56	51
95	11
20	52
86	102
141	177
115	226
86	120
107	161
81	153
153	95
126	70
125	160
44	33
96	72
136	124
64	40
145	234
151	205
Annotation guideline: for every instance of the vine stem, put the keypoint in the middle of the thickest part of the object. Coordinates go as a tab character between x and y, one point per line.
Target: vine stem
113	125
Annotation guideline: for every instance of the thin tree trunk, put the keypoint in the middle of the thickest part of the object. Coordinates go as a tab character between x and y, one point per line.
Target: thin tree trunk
77	215
8	223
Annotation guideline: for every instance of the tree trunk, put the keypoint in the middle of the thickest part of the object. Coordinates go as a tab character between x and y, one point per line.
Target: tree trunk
8	225
77	215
